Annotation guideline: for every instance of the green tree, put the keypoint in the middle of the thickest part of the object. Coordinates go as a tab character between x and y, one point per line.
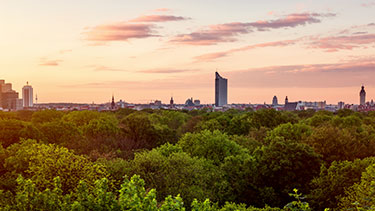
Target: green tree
215	146
42	163
330	185
11	131
46	115
139	131
283	165
173	172
361	196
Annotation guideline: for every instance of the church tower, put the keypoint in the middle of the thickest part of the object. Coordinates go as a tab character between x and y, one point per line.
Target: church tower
362	96
113	104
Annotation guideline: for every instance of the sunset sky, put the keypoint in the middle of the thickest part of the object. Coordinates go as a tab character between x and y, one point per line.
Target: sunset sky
83	51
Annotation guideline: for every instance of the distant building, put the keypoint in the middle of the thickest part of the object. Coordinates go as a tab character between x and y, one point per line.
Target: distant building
189	102
197	102
113	104
340	105
171	102
274	101
221	90
290	106
157	103
27	96
362	96
9	99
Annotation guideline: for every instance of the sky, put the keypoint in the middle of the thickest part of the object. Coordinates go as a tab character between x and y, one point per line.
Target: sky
85	51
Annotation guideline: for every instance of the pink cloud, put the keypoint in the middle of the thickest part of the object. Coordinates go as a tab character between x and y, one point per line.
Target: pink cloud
50	62
120	32
291	20
350	73
216	55
158	18
341	74
227	32
336	43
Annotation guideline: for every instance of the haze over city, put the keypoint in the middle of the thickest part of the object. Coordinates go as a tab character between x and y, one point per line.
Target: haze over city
83	51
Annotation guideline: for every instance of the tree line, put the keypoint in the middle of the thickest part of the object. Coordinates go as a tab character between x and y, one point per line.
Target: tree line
193	160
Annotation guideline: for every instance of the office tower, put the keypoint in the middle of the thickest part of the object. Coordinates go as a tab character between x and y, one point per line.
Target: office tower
362	96
221	90
286	100
274	101
27	96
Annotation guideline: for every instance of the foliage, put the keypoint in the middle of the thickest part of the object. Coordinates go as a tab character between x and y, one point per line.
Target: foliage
42	163
334	180
361	196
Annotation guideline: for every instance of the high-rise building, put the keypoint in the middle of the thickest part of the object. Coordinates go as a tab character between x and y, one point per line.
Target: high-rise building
27	95
8	97
221	90
275	101
362	96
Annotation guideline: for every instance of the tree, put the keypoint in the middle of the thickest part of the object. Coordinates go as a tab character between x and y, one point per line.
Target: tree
330	185
283	165
11	131
215	146
173	172
46	115
295	132
361	196
61	132
42	163
341	144
139	131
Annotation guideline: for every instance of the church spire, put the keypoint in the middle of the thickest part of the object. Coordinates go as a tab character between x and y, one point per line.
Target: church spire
113	104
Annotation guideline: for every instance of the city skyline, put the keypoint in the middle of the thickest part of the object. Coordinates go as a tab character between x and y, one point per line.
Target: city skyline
306	50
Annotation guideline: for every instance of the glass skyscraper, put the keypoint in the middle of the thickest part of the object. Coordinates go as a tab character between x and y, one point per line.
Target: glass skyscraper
221	90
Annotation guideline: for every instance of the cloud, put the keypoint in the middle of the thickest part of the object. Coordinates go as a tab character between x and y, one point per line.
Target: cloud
120	32
163	71
291	20
50	62
227	32
336	43
341	74
350	73
212	56
159	18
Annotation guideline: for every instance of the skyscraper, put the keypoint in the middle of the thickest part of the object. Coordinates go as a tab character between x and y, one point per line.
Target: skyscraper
362	96
221	90
27	96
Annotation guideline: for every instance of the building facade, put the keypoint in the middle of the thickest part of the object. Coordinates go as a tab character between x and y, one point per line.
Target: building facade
27	96
362	96
221	90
